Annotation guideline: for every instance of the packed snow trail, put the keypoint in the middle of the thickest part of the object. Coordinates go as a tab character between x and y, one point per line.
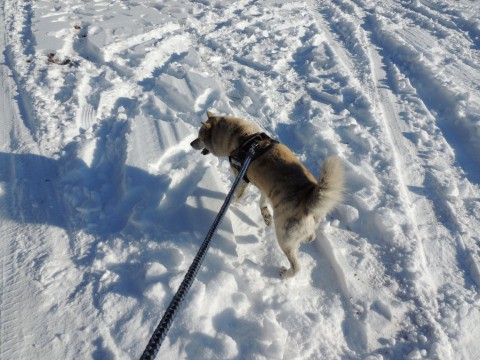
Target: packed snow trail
104	204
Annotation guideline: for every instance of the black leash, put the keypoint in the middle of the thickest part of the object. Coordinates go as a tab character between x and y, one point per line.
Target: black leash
161	331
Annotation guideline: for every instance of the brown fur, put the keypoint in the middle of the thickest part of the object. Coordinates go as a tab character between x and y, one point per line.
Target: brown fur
298	200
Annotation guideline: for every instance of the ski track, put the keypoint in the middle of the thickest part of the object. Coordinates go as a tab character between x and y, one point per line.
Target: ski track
104	204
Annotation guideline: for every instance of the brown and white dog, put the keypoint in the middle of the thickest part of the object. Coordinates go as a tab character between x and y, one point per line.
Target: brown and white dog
298	200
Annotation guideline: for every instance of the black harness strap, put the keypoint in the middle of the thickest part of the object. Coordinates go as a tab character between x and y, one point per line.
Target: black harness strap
263	144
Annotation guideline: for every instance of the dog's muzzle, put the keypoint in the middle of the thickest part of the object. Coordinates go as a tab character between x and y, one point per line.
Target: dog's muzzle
197	145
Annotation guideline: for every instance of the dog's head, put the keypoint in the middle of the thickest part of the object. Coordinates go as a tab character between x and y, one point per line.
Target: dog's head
220	135
202	142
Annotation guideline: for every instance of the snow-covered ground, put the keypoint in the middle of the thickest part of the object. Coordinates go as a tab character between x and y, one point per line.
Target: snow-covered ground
103	204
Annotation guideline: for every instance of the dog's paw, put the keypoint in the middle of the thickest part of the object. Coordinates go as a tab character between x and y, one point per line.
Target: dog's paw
286	273
240	193
239	197
268	220
267	217
237	201
311	238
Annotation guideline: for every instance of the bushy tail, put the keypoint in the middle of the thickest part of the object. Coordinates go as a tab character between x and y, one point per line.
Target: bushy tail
329	191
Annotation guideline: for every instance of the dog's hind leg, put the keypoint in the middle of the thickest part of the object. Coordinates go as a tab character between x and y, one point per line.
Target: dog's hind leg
291	253
287	239
267	217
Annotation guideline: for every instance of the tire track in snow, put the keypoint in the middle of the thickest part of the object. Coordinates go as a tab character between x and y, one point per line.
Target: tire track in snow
455	116
444	186
19	14
422	208
408	175
358	301
403	161
11	342
13	136
448	17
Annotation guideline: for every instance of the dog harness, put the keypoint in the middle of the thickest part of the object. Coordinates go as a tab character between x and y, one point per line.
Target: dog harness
263	143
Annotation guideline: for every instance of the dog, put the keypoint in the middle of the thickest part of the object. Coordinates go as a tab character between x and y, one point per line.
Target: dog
299	201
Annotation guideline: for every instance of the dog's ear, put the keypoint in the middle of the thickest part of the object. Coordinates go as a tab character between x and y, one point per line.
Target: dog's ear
209	114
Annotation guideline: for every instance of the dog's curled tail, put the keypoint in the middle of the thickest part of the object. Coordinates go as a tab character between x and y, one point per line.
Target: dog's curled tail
330	187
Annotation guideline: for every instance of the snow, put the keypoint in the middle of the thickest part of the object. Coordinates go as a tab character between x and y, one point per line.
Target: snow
104	204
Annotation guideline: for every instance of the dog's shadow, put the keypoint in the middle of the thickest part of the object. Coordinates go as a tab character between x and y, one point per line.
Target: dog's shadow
107	199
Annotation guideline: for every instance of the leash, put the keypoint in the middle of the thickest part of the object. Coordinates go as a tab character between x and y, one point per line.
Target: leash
162	329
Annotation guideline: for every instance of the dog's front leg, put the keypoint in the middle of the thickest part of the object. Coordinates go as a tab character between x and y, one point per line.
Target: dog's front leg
267	217
240	190
241	187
